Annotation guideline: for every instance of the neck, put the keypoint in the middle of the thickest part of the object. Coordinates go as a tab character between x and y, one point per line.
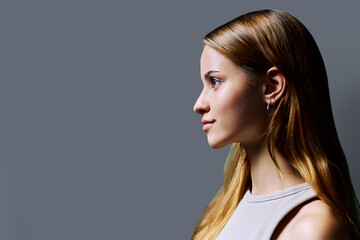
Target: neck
265	177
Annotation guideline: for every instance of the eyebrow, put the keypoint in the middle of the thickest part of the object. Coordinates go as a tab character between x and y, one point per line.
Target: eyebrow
206	75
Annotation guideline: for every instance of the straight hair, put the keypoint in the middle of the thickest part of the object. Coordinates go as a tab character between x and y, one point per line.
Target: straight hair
301	128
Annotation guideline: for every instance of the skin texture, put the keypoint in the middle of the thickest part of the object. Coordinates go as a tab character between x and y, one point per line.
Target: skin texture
237	105
238	109
311	220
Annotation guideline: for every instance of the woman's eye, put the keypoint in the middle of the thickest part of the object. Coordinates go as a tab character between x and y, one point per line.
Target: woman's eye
214	82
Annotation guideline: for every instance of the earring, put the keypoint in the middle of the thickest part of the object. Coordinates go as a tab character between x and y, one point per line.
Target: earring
272	101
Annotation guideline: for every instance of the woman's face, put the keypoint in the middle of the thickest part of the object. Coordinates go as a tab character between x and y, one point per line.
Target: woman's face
235	106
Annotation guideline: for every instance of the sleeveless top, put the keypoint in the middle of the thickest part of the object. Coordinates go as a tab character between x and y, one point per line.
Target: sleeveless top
256	216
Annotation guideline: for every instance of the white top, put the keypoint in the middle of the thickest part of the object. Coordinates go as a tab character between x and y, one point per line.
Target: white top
256	216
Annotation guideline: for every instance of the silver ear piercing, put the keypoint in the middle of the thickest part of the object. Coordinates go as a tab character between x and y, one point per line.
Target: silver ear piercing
272	101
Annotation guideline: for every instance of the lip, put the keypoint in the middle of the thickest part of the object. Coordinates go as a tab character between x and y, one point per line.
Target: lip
207	126
204	121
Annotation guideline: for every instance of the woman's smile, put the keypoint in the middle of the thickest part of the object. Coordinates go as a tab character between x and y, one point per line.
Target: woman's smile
229	98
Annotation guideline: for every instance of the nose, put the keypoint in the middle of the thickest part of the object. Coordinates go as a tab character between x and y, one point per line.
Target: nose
201	105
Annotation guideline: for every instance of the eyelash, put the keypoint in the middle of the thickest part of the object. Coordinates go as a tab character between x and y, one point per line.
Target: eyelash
212	79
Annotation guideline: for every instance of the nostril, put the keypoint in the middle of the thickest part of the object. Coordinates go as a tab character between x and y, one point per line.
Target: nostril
197	109
201	107
201	111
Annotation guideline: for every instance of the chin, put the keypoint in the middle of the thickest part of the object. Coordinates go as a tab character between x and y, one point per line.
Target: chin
217	144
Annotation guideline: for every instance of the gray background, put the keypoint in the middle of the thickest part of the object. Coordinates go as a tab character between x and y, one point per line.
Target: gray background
98	139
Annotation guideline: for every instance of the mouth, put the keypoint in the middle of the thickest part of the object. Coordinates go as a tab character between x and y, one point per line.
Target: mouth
207	125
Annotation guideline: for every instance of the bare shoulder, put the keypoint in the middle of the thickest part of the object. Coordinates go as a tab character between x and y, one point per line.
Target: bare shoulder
317	220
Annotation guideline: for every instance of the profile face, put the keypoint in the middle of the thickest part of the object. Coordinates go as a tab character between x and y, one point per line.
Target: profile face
235	106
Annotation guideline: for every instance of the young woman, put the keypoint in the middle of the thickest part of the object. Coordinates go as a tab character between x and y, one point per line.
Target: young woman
266	93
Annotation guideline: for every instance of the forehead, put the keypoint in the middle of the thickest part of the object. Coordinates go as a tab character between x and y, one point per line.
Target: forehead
213	60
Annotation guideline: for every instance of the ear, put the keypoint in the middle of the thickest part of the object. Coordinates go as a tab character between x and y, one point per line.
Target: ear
274	85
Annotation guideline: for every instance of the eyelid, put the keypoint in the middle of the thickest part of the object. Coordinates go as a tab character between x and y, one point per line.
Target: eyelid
214	79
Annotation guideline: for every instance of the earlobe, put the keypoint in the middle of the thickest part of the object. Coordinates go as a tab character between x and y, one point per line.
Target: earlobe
272	101
275	84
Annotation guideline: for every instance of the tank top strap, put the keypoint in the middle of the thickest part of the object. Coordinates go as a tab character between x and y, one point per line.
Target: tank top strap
257	216
288	204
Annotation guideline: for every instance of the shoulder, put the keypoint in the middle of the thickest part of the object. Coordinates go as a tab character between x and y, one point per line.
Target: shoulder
317	220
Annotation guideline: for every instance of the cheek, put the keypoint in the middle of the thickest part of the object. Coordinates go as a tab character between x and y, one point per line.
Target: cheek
243	112
241	105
